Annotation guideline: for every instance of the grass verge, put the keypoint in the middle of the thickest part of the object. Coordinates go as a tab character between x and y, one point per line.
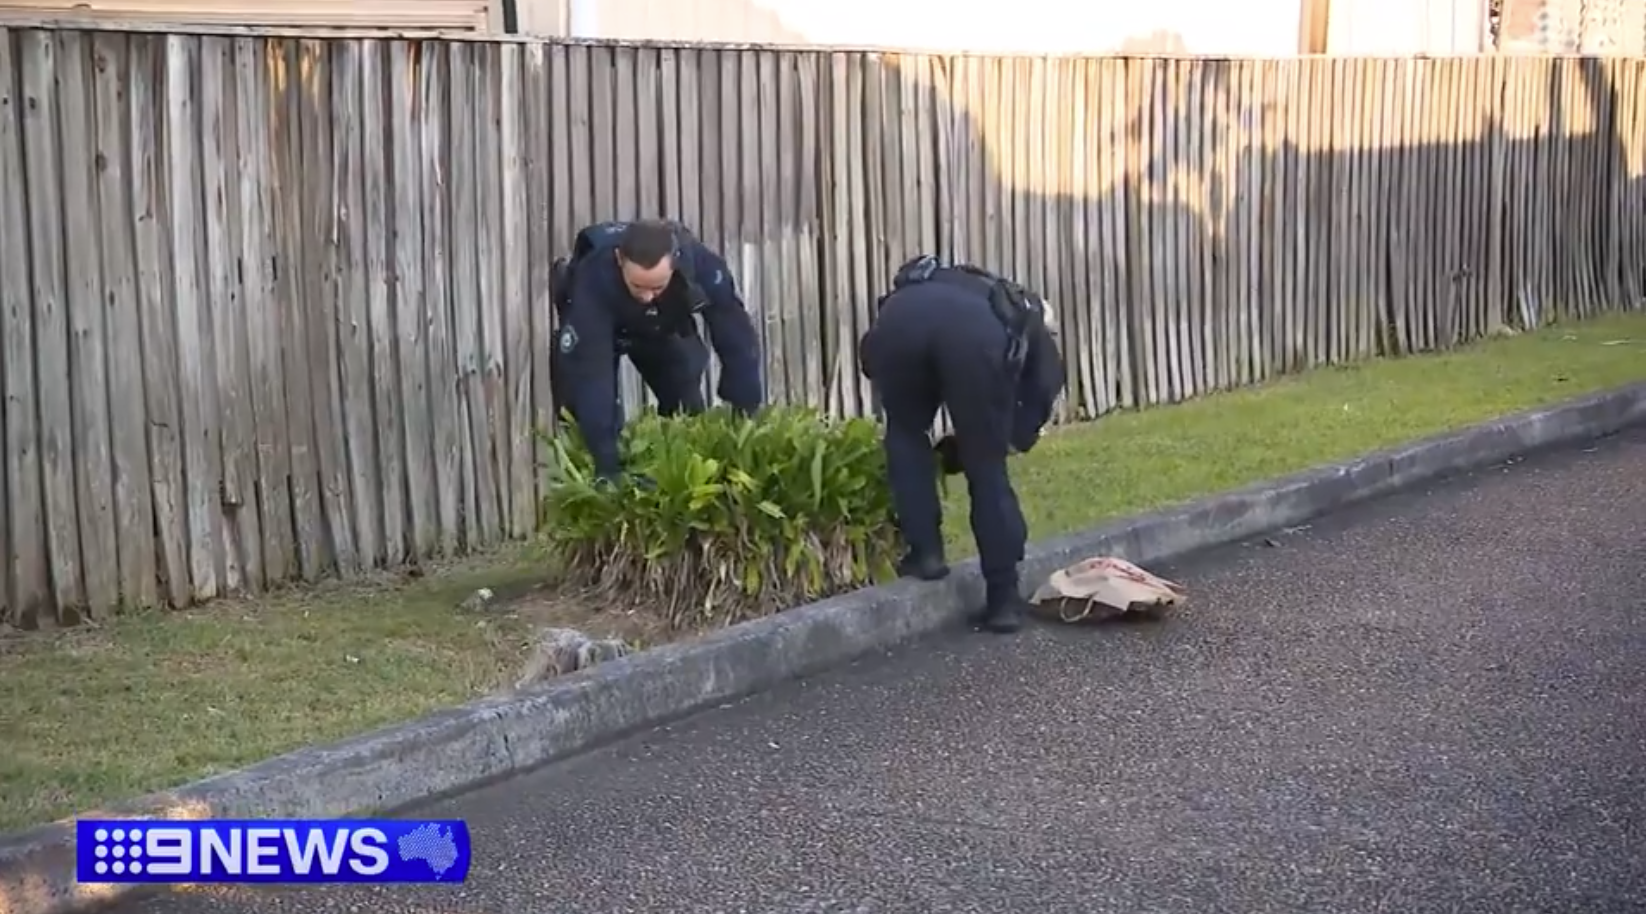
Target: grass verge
152	700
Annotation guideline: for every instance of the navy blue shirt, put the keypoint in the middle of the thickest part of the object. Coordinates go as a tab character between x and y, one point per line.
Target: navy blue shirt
601	311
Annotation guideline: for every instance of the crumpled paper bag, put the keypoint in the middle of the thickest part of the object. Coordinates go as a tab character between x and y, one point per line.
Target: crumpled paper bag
1104	588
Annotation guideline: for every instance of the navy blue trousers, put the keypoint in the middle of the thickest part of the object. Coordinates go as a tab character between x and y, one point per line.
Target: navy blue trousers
935	345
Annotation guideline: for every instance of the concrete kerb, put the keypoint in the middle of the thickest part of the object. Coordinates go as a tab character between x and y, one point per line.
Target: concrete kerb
508	734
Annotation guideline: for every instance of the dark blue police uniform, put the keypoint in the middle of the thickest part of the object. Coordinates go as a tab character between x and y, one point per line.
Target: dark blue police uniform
979	345
600	322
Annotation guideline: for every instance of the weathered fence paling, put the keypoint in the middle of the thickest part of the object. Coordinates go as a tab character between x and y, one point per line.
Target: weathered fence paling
277	307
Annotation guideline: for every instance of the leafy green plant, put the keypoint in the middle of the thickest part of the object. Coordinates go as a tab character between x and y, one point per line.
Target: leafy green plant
740	517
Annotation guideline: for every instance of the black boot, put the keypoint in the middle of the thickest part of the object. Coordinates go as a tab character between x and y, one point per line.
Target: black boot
1004	610
922	566
1006	616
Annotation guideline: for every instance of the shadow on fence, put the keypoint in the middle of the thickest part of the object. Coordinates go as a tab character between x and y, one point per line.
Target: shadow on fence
276	307
1277	215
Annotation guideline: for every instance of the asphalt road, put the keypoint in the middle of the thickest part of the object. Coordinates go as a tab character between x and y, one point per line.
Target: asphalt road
1433	703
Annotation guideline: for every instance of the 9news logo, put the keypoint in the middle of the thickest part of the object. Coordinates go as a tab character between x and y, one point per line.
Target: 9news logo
270	851
121	857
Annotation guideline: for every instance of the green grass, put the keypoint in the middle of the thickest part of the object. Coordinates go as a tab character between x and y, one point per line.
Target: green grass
152	700
1130	462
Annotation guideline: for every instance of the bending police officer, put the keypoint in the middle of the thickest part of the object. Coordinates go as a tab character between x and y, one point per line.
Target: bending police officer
979	344
635	289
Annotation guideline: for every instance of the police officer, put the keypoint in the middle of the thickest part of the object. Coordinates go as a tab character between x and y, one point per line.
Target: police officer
961	337
636	288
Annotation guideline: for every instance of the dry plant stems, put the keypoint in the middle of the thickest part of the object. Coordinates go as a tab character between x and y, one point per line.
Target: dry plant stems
743	517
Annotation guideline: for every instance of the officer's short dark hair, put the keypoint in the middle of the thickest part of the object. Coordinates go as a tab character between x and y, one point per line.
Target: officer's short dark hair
646	243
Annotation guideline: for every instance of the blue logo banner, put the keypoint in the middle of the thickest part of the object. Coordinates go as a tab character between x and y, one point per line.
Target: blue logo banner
251	851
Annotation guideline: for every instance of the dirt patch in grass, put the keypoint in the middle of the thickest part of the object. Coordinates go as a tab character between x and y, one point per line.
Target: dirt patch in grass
547	605
152	700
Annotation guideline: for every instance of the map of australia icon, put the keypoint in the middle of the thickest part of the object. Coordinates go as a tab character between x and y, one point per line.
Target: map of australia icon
430	845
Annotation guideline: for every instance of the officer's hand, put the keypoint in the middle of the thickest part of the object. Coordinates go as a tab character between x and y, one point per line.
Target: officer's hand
1024	440
1026	429
947	449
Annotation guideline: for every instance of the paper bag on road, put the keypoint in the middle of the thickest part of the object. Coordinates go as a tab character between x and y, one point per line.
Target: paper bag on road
1105	587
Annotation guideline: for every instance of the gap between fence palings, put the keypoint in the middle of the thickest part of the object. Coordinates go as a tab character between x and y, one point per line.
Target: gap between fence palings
277	307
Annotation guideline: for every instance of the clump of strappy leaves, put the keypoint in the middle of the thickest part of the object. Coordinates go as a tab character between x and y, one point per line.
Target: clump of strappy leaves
739	517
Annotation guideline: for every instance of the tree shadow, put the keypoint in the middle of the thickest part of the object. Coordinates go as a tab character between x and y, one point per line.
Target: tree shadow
1202	223
1208	223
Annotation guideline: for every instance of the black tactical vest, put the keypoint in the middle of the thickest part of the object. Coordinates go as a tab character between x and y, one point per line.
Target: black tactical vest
1021	312
670	314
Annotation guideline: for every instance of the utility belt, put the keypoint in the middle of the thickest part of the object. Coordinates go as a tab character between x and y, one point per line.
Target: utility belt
1018	310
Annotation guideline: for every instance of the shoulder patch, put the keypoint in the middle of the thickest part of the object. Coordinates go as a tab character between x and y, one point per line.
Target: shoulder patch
568	338
718	278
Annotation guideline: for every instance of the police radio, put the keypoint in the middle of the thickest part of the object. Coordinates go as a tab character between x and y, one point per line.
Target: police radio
920	269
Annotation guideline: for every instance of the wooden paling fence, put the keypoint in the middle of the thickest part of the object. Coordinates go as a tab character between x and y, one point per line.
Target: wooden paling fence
275	307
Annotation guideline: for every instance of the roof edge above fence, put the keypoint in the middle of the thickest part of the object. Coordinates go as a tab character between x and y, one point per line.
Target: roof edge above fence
161	27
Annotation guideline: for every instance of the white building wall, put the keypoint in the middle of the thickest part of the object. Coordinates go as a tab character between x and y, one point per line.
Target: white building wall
1404	27
1217	27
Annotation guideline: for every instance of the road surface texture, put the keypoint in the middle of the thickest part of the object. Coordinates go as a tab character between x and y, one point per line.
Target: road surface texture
1434	703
